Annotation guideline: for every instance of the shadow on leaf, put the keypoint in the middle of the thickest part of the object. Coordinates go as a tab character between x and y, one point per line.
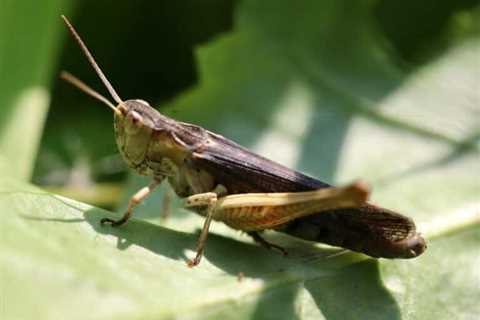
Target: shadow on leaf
343	286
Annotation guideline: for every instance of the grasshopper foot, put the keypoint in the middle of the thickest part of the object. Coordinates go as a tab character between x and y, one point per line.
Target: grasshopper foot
272	246
113	223
193	263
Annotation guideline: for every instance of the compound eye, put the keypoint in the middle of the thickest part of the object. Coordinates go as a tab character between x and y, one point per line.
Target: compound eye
134	122
135	118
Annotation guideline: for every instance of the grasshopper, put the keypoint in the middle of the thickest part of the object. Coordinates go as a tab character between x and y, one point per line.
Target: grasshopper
224	181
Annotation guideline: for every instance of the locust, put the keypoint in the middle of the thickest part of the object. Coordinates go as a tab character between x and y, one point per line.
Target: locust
223	181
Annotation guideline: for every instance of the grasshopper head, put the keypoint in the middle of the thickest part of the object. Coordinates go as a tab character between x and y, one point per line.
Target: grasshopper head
134	119
133	125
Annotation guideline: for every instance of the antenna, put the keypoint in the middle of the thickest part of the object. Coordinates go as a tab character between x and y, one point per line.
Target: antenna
95	66
85	88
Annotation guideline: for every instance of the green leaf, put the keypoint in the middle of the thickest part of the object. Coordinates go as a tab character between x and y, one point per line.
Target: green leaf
312	86
28	45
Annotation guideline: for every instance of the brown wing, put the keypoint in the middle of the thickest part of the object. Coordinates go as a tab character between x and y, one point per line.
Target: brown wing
375	231
243	171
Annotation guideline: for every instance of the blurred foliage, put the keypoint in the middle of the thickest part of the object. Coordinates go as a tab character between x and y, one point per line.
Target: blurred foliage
27	54
382	90
420	30
146	49
155	43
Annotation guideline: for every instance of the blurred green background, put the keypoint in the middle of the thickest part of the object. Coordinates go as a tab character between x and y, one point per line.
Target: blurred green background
147	50
386	91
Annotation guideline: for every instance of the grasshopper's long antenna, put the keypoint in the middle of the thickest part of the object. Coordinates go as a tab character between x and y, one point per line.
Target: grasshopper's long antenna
92	61
85	88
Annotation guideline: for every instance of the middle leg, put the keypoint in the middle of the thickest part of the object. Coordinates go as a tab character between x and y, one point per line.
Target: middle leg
266	244
208	199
